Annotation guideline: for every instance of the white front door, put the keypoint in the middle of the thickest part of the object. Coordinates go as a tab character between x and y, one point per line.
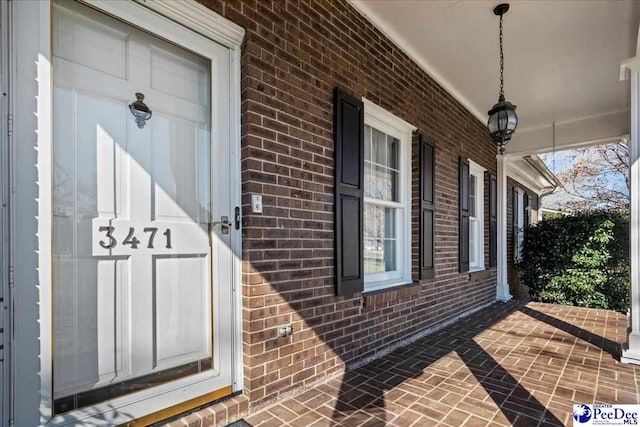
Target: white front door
141	274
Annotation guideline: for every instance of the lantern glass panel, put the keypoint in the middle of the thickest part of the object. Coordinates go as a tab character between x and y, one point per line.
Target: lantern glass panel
513	120
503	120
493	123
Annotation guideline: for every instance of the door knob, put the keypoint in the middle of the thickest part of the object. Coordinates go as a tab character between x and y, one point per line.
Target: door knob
224	223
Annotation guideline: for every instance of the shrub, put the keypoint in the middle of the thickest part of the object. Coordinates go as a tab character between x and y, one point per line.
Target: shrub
580	260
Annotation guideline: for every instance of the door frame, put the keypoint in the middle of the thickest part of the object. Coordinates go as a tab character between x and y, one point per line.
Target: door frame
30	75
5	136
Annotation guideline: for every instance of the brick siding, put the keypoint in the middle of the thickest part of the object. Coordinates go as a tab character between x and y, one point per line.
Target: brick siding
294	54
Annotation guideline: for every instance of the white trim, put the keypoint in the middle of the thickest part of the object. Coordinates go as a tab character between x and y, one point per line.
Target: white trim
541	168
390	124
200	19
44	112
31	79
518	176
156	23
5	351
384	203
502	285
580	132
478	171
631	352
566	146
235	184
395	38
525	179
374	114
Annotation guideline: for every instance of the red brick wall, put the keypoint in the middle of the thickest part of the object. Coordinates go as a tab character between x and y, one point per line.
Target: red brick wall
294	54
512	273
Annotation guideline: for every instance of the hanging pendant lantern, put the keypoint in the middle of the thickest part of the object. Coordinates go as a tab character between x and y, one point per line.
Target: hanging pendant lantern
503	119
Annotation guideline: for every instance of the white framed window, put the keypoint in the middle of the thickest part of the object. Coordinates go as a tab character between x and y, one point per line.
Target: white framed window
387	199
476	217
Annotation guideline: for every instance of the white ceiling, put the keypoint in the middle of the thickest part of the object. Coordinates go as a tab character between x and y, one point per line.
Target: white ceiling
562	60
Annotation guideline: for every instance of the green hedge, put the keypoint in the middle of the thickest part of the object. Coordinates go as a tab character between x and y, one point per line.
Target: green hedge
580	260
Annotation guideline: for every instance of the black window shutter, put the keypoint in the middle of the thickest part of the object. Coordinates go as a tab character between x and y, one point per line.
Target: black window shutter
493	221
516	224
348	125
427	207
463	234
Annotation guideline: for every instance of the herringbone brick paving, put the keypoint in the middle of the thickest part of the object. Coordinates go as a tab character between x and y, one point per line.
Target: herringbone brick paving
509	364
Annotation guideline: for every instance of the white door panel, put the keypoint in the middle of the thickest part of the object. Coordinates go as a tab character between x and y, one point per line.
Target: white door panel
174	72
110	312
133	288
181	194
87	42
181	335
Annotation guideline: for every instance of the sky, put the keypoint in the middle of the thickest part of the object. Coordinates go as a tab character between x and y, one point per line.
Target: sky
561	161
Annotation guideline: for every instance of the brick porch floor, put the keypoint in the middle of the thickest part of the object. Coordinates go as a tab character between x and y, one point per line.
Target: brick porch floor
509	364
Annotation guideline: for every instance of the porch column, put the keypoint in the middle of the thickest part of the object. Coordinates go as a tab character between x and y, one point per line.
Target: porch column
631	351
502	288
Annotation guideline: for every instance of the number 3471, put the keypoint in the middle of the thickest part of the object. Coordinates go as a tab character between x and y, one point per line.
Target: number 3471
131	239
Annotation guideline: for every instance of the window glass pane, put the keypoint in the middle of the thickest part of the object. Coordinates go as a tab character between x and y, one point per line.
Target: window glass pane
472	195
373	221
382	184
368	180
473	232
373	256
381	165
393	189
380	239
389	223
367	142
392	149
379	147
520	238
389	255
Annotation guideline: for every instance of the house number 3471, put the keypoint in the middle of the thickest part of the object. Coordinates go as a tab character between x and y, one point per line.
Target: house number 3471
131	238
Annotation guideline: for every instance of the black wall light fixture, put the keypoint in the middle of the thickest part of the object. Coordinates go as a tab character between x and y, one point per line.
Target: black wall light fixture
503	119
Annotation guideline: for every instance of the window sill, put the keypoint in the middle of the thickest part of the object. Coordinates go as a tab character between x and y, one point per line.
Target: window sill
387	287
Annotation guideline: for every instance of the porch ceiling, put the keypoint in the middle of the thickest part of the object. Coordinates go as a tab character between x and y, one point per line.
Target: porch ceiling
562	61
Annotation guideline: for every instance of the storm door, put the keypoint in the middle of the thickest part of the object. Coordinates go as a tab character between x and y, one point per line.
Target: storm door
135	300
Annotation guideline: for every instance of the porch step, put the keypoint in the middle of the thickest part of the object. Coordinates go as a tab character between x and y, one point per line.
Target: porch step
217	414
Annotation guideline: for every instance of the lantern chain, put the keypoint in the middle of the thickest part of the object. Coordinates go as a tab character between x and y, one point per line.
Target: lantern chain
501	60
